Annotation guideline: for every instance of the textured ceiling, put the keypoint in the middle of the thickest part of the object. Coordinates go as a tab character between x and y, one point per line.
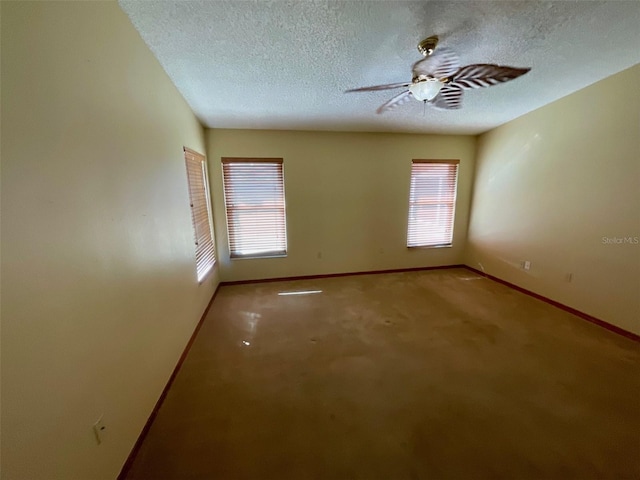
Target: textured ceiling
286	64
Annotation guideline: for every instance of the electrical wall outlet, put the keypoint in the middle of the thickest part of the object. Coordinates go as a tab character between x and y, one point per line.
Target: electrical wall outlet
99	430
526	265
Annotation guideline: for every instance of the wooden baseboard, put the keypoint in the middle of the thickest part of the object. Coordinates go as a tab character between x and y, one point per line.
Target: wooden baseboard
136	447
566	308
345	274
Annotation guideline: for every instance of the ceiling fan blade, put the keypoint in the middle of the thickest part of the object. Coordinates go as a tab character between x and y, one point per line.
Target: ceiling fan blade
442	63
485	75
399	99
449	98
374	88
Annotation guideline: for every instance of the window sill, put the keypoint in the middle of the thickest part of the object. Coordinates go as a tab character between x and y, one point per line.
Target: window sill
256	257
419	247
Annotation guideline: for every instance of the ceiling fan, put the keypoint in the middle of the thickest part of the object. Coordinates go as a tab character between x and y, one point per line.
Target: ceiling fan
439	80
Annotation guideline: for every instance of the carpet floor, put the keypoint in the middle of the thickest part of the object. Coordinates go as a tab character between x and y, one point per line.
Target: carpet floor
438	374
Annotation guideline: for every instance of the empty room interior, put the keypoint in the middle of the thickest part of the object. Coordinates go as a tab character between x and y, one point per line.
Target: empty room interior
320	240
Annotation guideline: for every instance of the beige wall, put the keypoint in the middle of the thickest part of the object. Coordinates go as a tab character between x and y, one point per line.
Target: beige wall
347	199
99	291
550	185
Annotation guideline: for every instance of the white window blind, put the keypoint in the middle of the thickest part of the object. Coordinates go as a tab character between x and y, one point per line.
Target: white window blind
200	212
254	199
432	203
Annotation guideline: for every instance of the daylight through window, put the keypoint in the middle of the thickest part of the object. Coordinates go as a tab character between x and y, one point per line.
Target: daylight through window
200	212
255	204
432	203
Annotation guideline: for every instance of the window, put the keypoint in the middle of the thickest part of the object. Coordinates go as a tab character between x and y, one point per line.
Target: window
200	212
432	203
254	199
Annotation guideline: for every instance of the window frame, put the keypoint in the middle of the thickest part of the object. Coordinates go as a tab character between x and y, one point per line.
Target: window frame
228	209
203	269
411	204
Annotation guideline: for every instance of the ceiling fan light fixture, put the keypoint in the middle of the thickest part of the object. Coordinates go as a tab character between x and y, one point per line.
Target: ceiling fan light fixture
426	90
440	80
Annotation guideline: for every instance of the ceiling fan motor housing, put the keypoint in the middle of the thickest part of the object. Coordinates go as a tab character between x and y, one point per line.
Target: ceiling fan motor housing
428	45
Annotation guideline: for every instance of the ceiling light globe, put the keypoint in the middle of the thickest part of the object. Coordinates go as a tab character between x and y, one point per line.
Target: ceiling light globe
426	90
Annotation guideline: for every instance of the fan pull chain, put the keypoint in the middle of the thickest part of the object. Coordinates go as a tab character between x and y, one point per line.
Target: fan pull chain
424	108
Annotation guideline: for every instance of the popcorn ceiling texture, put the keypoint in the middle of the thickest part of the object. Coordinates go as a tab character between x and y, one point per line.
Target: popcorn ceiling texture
286	64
